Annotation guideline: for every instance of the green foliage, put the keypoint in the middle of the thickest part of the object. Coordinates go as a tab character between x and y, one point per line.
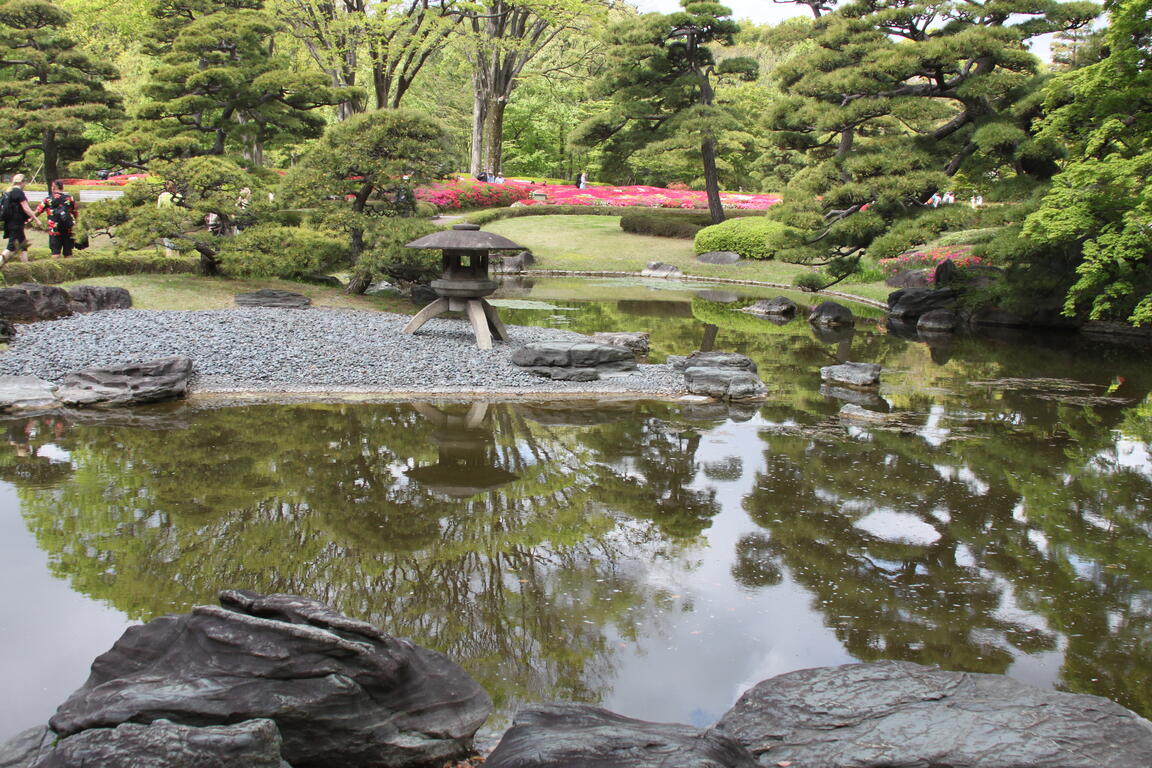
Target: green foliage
921	230
386	256
83	266
52	94
376	159
810	281
752	237
284	252
1098	208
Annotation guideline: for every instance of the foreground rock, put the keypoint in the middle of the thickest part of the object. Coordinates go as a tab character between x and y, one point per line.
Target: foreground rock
574	360
97	298
30	302
269	297
580	735
895	713
718	257
162	744
153	381
858	375
341	692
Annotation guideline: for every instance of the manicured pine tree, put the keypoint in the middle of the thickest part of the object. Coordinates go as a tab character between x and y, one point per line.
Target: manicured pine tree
51	93
220	88
893	98
661	79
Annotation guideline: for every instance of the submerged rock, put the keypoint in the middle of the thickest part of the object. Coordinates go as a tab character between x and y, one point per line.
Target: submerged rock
780	306
859	375
584	736
896	713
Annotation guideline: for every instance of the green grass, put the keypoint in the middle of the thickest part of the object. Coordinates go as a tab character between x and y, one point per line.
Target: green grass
597	244
195	292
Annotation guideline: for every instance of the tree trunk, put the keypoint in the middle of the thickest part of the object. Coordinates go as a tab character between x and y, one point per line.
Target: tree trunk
712	180
494	135
479	114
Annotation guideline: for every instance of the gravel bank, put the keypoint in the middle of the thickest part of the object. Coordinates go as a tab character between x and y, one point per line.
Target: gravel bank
314	350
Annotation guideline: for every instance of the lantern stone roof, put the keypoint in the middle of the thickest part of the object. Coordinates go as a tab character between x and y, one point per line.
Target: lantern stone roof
464	237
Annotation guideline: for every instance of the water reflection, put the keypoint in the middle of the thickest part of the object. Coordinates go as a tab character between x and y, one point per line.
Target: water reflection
651	557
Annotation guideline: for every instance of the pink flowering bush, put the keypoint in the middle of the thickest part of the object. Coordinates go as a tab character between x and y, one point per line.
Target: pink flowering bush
476	194
460	194
961	256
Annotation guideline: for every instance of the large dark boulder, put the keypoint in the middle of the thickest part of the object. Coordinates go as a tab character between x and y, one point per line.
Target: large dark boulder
96	298
29	302
896	714
914	302
938	321
162	744
583	736
155	380
341	692
831	313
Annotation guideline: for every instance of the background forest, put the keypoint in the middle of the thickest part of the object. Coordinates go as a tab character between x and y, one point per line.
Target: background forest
333	112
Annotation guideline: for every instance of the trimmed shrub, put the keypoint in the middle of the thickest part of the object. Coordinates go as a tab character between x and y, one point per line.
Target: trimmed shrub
752	237
672	223
50	271
496	214
285	252
810	281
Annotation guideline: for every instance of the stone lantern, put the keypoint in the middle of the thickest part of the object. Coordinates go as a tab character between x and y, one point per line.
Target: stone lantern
465	281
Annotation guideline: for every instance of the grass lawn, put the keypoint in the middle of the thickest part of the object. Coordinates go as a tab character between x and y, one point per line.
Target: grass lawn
195	292
597	244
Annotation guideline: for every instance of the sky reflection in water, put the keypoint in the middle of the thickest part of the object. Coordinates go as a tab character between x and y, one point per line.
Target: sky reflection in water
656	559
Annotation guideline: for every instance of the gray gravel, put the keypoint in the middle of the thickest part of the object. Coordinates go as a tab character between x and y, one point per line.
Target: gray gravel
314	350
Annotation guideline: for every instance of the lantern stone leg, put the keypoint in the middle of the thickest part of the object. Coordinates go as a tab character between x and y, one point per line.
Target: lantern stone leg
426	314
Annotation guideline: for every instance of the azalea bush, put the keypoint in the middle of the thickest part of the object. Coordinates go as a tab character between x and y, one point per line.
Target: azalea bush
463	194
930	258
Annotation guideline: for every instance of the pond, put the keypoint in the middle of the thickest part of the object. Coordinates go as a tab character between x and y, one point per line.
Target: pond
654	558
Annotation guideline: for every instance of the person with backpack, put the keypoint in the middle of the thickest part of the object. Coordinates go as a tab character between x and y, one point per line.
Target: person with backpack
14	212
61	208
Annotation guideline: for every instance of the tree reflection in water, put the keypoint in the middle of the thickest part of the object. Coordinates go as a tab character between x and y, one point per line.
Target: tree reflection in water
520	572
524	540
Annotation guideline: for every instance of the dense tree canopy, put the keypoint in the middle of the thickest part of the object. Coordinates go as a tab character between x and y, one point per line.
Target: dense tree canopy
51	93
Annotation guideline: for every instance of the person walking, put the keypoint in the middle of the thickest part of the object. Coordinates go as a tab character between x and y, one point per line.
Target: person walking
15	212
62	213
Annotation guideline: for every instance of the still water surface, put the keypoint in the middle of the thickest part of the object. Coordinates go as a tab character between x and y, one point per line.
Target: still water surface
653	558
